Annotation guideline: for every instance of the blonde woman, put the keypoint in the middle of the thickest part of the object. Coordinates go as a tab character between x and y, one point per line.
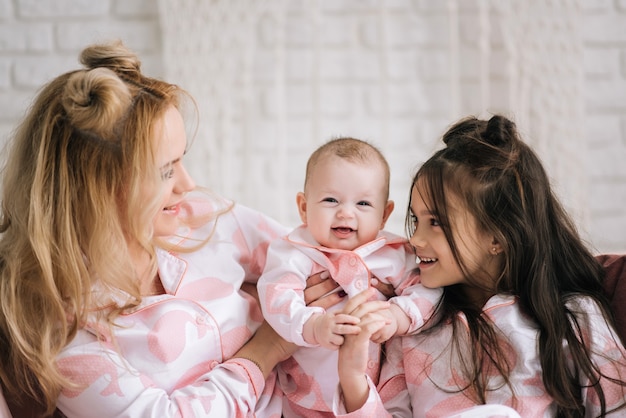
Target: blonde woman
120	293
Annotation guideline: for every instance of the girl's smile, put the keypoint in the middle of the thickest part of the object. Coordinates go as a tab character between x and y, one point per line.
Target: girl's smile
438	264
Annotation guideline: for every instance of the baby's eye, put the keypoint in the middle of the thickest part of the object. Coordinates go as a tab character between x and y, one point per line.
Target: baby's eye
364	203
329	200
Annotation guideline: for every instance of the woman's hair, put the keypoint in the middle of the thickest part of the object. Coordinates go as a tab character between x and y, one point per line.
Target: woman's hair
501	182
73	198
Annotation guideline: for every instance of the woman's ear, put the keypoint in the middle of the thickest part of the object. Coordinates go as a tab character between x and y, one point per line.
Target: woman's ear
301	202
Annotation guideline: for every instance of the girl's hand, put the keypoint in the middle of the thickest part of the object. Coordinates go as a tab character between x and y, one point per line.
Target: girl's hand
361	305
354	353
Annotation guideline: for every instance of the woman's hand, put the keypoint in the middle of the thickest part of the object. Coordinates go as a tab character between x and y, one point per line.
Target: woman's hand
384	288
316	293
321	291
266	349
320	285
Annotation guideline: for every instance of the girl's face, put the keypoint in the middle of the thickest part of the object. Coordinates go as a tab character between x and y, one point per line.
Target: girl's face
438	267
171	144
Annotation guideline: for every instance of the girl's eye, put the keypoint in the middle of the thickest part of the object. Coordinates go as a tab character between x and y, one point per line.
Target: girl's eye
434	222
413	218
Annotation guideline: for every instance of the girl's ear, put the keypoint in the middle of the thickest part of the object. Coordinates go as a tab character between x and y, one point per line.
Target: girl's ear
496	248
301	202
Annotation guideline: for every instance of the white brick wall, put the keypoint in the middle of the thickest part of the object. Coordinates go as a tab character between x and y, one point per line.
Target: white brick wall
604	35
41	38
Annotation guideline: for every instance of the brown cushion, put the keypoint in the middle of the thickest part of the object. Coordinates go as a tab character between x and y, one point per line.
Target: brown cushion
615	288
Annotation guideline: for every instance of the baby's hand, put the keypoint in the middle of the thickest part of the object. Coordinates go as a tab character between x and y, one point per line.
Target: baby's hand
398	323
388	330
330	327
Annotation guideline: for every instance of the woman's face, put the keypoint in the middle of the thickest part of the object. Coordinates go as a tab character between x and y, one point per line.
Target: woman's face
171	145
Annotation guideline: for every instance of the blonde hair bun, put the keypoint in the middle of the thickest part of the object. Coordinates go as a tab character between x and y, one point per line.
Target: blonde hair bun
95	100
114	56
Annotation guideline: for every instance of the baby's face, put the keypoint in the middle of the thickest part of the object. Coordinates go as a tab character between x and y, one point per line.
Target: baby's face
344	204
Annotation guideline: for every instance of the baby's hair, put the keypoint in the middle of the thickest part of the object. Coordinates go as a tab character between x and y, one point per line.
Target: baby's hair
501	182
350	149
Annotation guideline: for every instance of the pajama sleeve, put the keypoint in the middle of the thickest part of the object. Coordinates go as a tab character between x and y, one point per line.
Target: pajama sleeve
608	354
416	301
107	386
256	231
281	291
419	303
391	398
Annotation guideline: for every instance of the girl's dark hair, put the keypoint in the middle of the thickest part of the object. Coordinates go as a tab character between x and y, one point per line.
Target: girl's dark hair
502	183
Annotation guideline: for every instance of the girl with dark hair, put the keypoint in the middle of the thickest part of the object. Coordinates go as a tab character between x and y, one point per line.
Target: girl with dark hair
523	322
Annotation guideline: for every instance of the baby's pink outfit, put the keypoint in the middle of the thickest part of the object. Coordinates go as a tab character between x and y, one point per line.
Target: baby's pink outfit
310	377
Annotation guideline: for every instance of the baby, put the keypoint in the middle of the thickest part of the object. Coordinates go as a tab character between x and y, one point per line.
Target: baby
344	208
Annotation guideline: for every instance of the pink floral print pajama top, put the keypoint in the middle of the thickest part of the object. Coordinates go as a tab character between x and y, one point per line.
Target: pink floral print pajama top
420	378
169	356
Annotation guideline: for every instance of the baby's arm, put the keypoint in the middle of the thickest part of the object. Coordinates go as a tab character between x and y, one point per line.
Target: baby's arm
281	291
398	324
327	329
410	310
412	304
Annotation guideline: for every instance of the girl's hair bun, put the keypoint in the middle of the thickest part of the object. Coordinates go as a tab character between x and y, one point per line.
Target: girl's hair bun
95	100
500	131
464	135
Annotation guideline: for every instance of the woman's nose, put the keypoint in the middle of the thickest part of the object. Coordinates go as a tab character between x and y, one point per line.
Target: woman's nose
184	182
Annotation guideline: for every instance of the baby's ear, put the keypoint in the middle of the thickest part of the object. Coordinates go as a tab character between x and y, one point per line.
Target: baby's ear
387	212
301	202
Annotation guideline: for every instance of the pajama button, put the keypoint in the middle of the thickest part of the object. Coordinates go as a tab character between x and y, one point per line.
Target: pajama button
200	320
213	364
352	261
358	284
